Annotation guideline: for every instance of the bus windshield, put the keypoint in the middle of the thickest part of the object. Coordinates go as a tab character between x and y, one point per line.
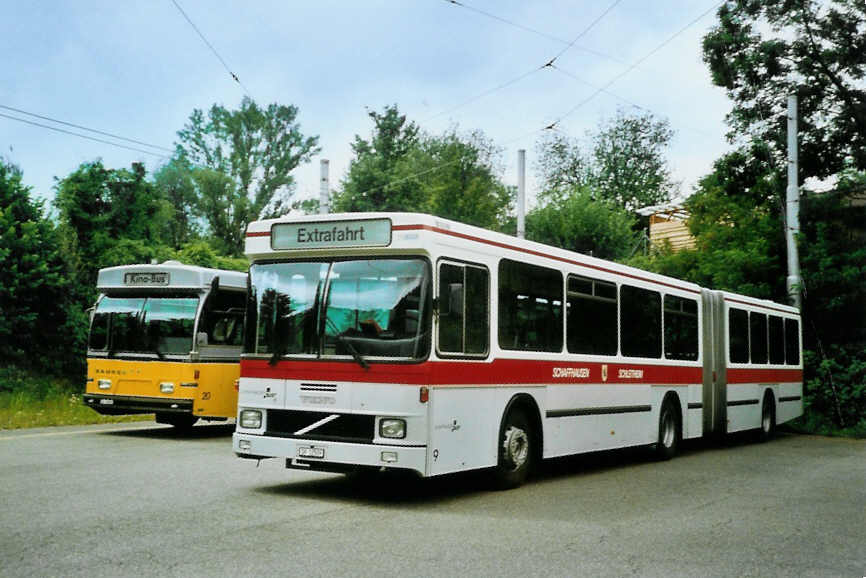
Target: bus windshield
374	308
144	324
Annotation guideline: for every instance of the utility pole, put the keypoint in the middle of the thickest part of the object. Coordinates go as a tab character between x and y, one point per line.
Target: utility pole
792	209
521	193
324	188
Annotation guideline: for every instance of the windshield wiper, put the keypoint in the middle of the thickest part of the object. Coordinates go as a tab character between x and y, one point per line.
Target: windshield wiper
342	339
279	349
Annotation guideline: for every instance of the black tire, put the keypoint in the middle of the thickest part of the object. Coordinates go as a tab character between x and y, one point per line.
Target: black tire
180	421
516	450
670	431
767	429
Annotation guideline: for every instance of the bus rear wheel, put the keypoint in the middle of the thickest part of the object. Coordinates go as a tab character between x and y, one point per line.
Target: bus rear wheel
669	431
768	418
180	421
516	441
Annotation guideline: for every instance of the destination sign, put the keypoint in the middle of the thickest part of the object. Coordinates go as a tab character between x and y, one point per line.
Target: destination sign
146	279
333	234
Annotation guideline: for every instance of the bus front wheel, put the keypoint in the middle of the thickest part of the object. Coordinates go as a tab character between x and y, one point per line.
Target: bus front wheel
180	421
516	441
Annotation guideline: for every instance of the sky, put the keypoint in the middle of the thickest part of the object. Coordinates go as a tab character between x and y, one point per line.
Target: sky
138	69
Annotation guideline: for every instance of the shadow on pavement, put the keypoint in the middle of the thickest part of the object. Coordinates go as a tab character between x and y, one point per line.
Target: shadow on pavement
407	489
160	431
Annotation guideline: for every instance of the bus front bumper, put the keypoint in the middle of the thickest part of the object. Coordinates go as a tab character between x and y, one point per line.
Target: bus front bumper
303	454
129	404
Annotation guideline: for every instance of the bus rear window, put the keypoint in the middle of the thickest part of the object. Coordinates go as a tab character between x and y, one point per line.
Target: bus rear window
738	336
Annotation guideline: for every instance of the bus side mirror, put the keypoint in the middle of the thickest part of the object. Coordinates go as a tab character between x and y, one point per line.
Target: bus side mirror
201	338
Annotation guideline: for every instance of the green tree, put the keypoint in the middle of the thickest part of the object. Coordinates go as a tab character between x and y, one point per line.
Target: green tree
735	217
33	287
174	183
458	178
629	165
401	168
99	206
202	254
763	50
624	161
225	211
256	149
561	163
376	180
578	222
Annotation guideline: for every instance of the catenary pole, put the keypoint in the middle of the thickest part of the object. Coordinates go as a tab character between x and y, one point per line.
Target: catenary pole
521	193
324	188
792	206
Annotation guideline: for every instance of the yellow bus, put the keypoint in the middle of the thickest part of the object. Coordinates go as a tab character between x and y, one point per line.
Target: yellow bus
166	339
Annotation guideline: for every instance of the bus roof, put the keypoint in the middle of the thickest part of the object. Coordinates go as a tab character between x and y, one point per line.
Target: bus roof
167	275
736	298
262	236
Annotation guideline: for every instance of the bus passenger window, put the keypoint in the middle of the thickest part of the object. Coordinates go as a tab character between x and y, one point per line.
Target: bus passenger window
777	340
641	322
681	328
223	318
792	342
738	336
591	316
758	337
530	307
463	309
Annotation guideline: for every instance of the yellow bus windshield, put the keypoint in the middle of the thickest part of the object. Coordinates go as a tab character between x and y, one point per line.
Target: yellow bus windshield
162	325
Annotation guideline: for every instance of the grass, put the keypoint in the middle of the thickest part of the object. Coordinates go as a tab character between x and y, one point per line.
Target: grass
819	425
29	399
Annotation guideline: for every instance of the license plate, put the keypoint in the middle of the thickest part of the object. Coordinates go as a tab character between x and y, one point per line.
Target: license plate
311	452
106	402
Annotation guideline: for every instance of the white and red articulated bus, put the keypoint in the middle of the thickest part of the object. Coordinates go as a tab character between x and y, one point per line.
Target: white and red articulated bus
401	340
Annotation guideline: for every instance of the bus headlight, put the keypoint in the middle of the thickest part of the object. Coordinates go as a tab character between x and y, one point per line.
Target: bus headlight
251	418
104	384
392	428
166	387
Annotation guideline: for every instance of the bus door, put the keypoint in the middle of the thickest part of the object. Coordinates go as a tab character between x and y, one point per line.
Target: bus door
715	366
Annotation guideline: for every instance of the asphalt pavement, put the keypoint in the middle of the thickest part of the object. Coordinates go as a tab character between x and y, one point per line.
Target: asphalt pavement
142	500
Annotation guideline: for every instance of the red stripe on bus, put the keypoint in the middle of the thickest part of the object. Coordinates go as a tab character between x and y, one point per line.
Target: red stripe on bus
765	375
498	372
259	234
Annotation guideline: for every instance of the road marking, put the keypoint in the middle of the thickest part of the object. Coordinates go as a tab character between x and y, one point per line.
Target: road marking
70	433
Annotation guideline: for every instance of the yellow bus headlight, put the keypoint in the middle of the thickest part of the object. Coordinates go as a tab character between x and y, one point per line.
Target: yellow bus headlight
166	387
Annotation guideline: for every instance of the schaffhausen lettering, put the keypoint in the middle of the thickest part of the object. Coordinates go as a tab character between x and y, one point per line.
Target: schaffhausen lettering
333	235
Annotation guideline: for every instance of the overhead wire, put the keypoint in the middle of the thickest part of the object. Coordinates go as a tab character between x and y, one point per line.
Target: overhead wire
508	83
535	31
214	50
636	64
622	98
93	130
585	31
54	128
548	64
